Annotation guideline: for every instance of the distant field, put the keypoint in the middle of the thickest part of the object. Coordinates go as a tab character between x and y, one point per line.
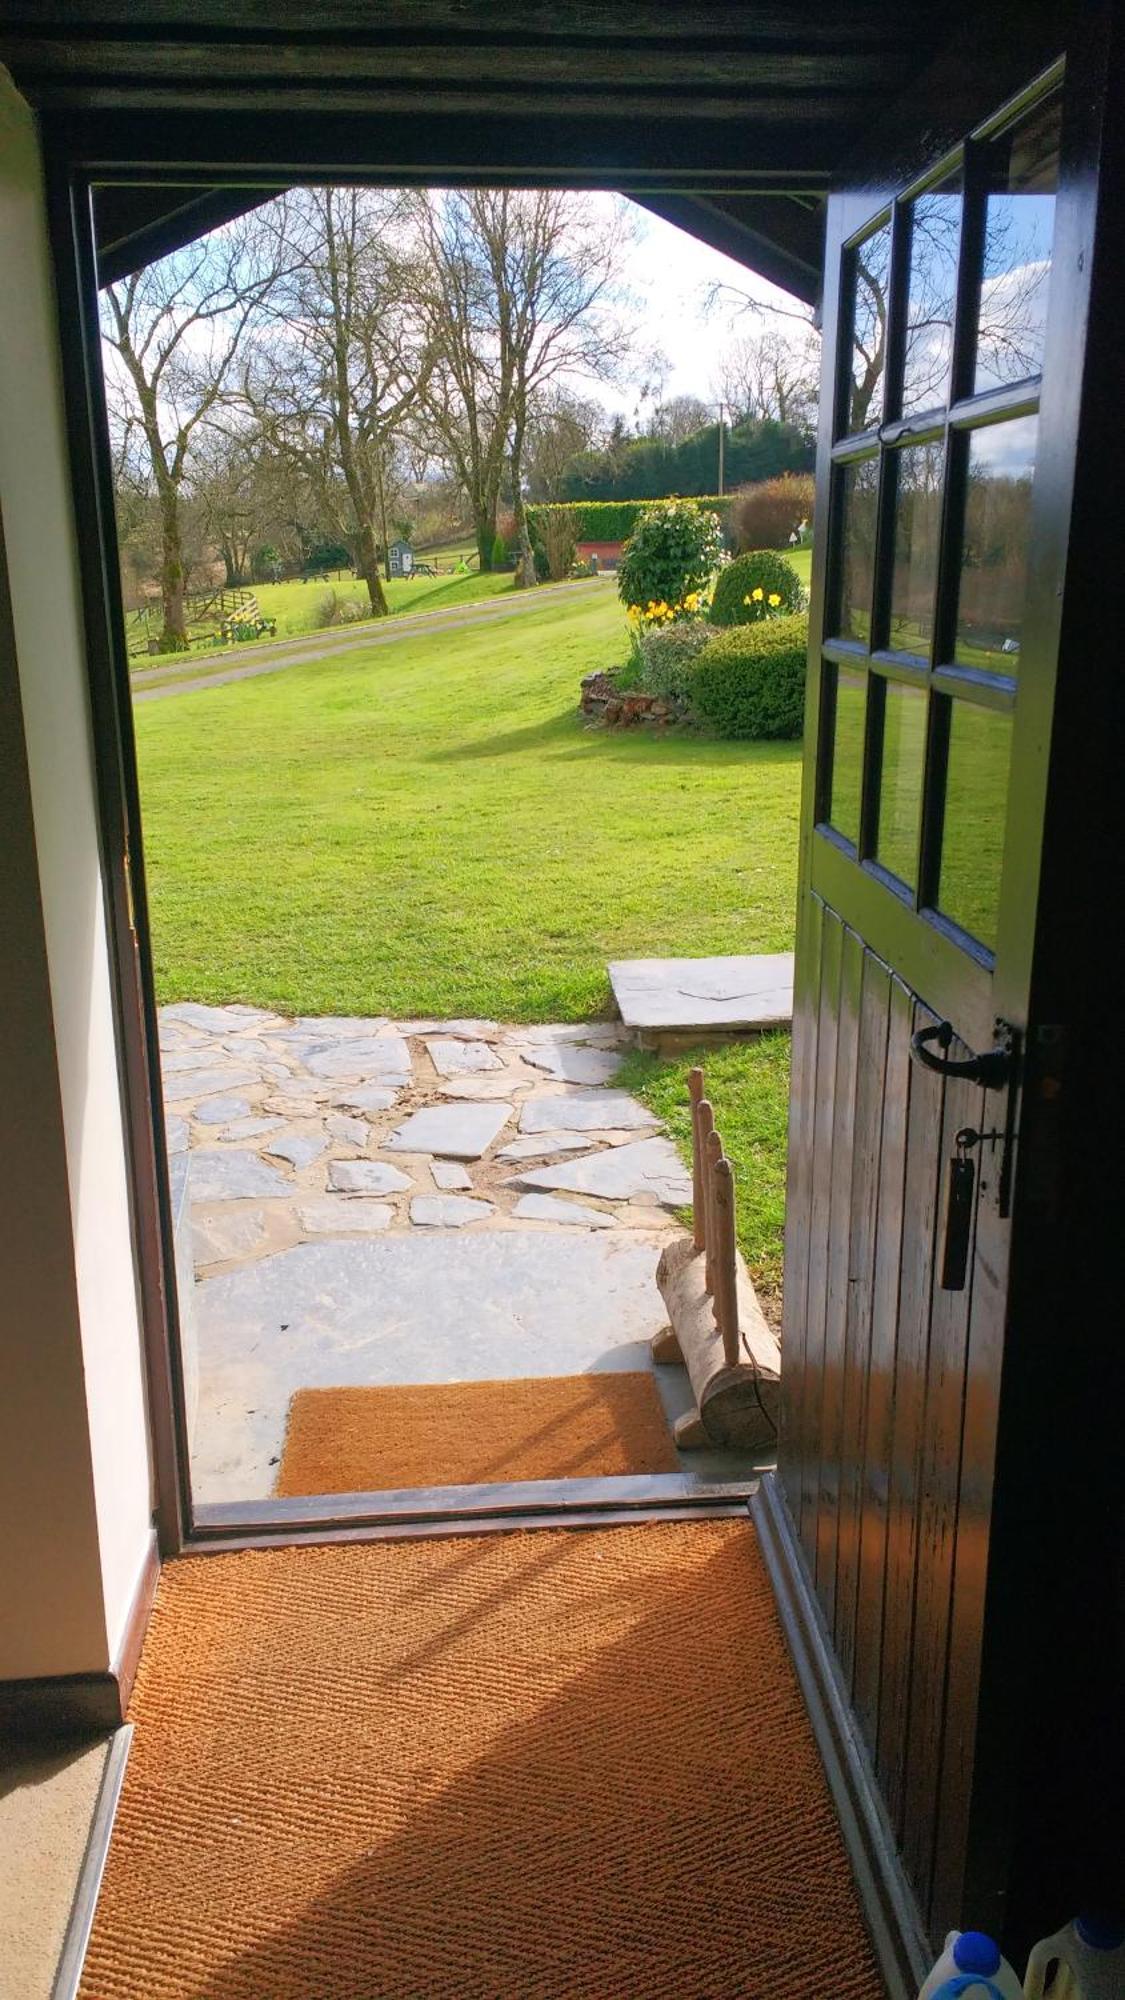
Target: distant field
298	607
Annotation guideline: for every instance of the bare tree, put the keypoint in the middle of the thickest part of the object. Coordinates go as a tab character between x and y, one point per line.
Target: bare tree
680	418
560	425
345	362
773	374
227	493
174	331
519	294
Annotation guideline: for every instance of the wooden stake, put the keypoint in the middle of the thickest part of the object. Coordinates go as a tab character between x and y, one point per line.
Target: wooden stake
725	1261
698	1199
712	1155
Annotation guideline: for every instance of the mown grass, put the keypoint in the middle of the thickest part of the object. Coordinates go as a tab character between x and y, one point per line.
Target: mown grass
427	827
748	1085
296	605
298	608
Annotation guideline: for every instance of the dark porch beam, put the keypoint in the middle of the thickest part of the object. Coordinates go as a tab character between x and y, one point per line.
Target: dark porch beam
780	237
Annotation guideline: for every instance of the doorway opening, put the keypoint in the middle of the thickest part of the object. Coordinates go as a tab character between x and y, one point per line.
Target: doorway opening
447	888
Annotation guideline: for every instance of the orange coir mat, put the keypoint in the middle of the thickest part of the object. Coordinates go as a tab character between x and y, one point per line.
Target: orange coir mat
473	1433
570	1764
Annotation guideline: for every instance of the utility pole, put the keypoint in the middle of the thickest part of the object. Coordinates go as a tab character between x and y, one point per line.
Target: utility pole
722	407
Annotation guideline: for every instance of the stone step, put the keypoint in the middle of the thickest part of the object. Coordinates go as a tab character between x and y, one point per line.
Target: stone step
669	1003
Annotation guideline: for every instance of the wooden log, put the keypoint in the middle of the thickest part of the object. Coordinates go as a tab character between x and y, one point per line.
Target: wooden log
695	1093
737	1405
725	1261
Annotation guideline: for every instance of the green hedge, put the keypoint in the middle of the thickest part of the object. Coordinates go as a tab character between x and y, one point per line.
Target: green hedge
750	680
614	520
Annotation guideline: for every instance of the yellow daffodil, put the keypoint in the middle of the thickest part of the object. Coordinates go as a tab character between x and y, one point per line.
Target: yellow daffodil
757	594
774	598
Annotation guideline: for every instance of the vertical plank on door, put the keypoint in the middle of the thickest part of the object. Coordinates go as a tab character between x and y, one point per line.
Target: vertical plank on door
964	1106
812	1388
923	1166
837	1269
793	1427
871	1066
970	1560
879	1421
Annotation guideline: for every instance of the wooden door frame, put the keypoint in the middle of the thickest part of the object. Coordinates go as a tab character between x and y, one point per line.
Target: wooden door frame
1046	1743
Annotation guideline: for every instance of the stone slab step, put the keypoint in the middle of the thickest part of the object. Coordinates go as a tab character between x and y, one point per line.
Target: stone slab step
665	999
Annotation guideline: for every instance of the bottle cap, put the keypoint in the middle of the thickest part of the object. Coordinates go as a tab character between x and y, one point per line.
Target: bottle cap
974	1952
1099	1931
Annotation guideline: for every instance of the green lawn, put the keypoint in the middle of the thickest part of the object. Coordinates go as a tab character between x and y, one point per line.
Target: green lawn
297	606
428	828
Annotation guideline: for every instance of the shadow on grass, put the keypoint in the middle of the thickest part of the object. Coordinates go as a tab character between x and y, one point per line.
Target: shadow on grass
566	737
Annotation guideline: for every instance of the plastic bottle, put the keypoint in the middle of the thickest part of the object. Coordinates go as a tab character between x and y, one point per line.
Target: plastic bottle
1090	1956
971	1968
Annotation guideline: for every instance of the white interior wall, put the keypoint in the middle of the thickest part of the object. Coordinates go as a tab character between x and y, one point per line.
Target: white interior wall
75	1035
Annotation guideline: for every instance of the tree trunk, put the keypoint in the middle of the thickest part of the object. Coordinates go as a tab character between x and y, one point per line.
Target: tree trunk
173	638
525	577
367	562
486	535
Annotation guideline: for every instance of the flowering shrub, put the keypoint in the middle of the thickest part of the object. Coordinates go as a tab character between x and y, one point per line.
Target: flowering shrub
667	654
251	626
755	587
669	558
646	617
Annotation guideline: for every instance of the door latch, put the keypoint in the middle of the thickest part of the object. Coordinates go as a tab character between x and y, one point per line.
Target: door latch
992	1068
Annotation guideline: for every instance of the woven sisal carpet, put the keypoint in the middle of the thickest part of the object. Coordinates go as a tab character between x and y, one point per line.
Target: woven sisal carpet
565	1765
471	1433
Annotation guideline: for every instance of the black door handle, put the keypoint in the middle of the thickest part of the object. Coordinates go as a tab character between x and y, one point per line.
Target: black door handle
992	1068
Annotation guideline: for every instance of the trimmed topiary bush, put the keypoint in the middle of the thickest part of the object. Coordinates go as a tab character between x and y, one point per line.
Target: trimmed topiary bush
669	556
750	680
757	586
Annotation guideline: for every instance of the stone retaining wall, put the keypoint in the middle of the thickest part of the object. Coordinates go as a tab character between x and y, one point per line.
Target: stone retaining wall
603	701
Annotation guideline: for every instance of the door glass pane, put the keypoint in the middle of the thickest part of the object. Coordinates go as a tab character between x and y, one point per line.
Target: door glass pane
976	802
1019	225
994	554
847	753
935	238
918	490
870	266
857	548
900	784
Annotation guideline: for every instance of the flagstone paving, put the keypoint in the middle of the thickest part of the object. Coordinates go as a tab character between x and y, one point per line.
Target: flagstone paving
312	1143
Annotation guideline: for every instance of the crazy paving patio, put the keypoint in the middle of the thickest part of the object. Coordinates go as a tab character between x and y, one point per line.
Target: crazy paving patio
361	1201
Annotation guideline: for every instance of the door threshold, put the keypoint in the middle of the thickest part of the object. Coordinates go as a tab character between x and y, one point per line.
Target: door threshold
462	1510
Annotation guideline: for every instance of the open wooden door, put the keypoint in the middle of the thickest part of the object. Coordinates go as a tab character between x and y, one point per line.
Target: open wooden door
954	325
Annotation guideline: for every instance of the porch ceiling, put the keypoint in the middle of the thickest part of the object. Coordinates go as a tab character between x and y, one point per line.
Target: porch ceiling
728	120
